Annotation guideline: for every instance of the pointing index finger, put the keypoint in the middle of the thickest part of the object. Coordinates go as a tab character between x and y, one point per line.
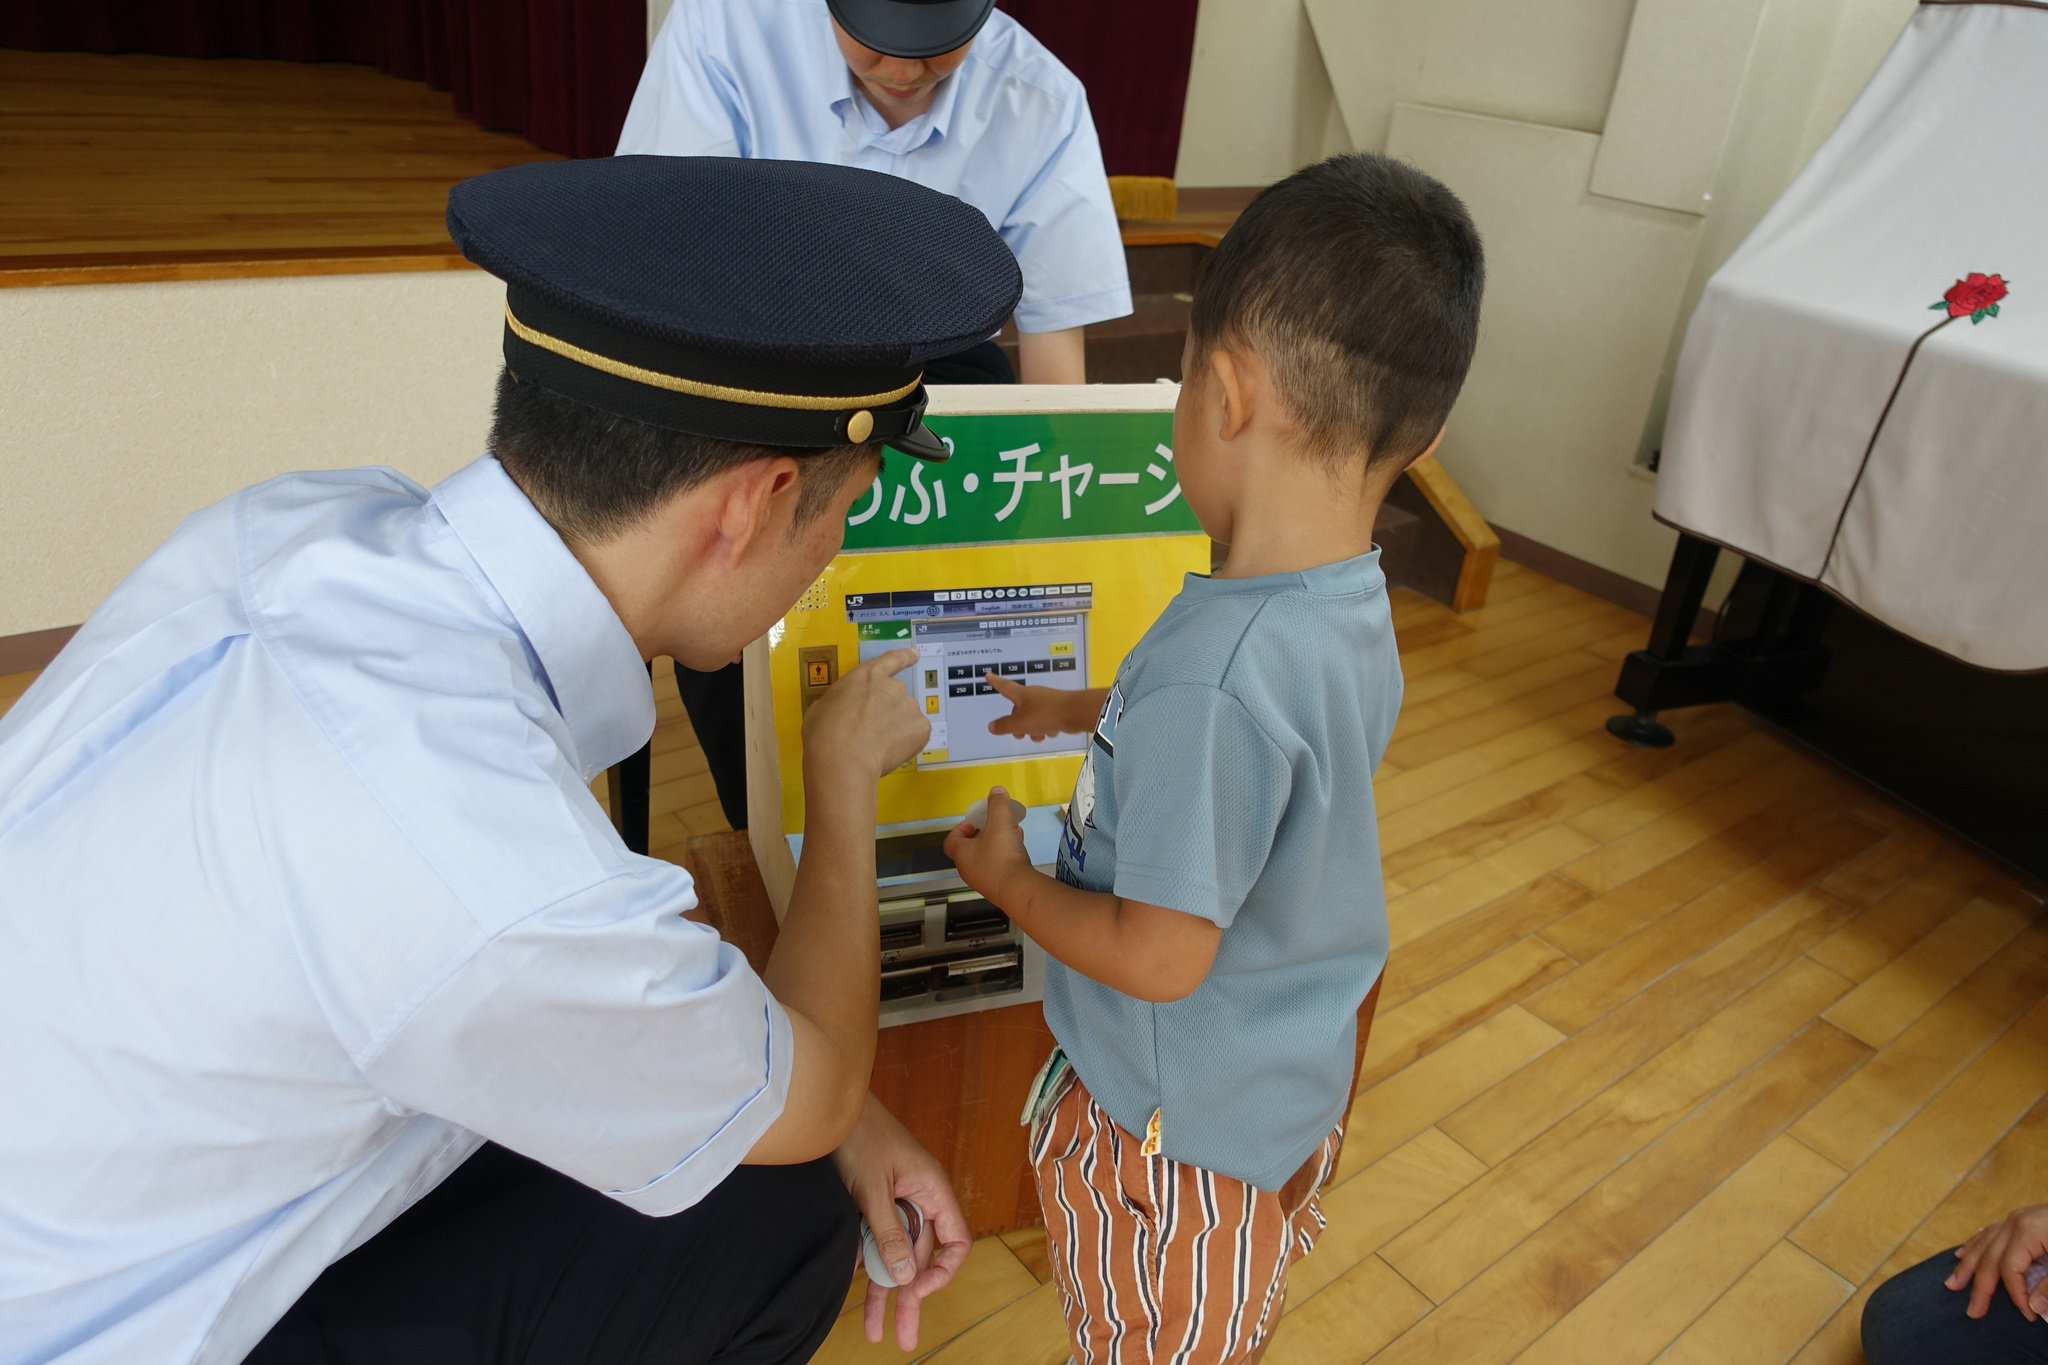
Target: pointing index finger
895	661
1014	691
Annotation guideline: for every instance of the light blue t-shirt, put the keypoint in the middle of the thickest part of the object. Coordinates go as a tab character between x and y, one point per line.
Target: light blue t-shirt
1230	777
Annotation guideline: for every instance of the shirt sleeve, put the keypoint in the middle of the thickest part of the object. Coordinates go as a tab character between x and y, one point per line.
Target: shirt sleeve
1063	233
687	103
1200	789
606	1037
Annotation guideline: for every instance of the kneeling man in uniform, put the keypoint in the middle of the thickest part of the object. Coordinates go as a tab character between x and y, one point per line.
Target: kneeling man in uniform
339	1026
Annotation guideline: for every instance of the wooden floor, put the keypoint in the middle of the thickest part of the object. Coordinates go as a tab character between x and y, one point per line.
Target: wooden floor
139	154
1679	1053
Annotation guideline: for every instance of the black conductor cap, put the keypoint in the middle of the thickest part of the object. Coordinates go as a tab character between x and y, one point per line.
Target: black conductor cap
778	303
912	28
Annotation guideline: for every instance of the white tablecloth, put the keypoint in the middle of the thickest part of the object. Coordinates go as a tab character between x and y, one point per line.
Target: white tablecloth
1939	170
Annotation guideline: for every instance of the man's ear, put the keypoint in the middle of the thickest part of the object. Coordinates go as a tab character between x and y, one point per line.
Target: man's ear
757	496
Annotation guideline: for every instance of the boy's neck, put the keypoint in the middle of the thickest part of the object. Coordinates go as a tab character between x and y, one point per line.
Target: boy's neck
1293	515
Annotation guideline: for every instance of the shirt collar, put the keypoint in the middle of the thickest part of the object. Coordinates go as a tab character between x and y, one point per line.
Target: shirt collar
590	663
926	129
1344	578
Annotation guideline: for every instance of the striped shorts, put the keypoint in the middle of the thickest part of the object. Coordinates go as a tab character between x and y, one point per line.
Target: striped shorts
1158	1261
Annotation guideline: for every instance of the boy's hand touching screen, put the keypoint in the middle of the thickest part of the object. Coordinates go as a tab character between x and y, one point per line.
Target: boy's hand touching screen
1143	950
1041	712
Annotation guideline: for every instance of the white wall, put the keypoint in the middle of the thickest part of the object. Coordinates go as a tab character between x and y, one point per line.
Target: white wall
126	407
1259	101
657	10
1613	152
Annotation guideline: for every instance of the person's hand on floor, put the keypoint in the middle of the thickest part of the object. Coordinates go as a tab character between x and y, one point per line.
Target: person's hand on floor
881	1163
2005	1251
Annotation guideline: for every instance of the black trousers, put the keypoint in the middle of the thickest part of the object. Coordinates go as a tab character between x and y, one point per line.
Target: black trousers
717	705
1915	1319
508	1261
982	363
715	700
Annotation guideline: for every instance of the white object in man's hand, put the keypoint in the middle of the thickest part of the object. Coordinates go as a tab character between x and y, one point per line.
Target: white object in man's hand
912	1219
881	1164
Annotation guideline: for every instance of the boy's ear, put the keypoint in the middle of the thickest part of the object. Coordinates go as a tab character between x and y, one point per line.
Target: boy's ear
1233	392
1427	450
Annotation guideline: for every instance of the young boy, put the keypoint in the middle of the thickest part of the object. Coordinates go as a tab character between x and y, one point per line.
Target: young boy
1219	914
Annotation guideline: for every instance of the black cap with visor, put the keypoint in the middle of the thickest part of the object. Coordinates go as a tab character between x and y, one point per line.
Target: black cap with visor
912	28
775	303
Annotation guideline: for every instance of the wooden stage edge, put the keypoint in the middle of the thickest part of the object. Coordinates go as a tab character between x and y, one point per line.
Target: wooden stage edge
156	267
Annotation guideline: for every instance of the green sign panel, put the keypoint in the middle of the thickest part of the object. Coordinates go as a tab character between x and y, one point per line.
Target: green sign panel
1050	476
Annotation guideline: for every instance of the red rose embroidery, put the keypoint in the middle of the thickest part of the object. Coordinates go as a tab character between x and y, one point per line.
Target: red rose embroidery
1975	296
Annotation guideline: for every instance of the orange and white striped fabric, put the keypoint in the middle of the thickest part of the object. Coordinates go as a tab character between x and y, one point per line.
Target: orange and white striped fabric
1158	1262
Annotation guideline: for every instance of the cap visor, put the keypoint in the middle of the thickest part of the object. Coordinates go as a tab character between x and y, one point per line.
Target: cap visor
920	442
908	28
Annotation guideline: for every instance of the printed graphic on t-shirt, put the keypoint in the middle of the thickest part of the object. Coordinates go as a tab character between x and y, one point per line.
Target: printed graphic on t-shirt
1081	809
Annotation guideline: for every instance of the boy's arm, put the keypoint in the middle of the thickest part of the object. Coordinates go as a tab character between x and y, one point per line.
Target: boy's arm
1143	950
1042	711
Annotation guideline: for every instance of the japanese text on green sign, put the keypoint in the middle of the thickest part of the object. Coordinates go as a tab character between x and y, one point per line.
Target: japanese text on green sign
1028	477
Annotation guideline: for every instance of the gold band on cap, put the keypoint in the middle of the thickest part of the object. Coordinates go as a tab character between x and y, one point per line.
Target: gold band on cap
675	384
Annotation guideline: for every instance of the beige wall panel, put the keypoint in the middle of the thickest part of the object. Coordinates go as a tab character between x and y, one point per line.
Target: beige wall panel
1765	148
1582	293
1552	63
1259	103
128	406
657	11
1864	32
1674	100
1807	54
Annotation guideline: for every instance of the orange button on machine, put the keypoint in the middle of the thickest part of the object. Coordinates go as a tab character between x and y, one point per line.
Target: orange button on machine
931	706
819	673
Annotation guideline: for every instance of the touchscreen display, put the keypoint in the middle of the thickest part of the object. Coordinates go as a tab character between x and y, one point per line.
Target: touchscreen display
1032	634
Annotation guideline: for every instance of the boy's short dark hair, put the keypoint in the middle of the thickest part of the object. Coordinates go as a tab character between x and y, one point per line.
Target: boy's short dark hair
1358	280
593	474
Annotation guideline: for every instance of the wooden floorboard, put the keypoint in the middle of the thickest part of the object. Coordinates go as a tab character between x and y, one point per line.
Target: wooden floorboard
1679	1052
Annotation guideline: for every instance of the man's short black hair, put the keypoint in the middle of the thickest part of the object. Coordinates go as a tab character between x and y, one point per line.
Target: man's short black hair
1358	280
593	474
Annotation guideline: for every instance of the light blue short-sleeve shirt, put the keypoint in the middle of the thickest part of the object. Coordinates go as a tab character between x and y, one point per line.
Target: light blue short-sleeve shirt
1230	777
1009	132
304	894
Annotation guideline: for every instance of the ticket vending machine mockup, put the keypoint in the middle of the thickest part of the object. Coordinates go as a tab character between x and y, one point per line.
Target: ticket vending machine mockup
1040	552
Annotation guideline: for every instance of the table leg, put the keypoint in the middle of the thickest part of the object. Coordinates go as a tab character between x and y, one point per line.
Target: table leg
1685	587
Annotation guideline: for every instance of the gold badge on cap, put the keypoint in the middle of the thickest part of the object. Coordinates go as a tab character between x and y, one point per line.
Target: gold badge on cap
859	426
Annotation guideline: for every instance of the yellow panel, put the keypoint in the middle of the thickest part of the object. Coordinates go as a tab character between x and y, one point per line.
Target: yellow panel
1134	579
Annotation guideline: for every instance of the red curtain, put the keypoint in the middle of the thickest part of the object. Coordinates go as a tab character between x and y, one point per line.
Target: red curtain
561	72
1133	55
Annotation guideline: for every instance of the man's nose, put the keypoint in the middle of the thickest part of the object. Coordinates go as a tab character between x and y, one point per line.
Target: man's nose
899	70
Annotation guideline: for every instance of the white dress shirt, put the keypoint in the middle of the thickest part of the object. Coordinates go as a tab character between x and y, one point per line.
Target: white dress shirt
1008	132
303	894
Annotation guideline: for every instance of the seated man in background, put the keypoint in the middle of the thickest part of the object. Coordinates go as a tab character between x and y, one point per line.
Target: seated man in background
952	95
